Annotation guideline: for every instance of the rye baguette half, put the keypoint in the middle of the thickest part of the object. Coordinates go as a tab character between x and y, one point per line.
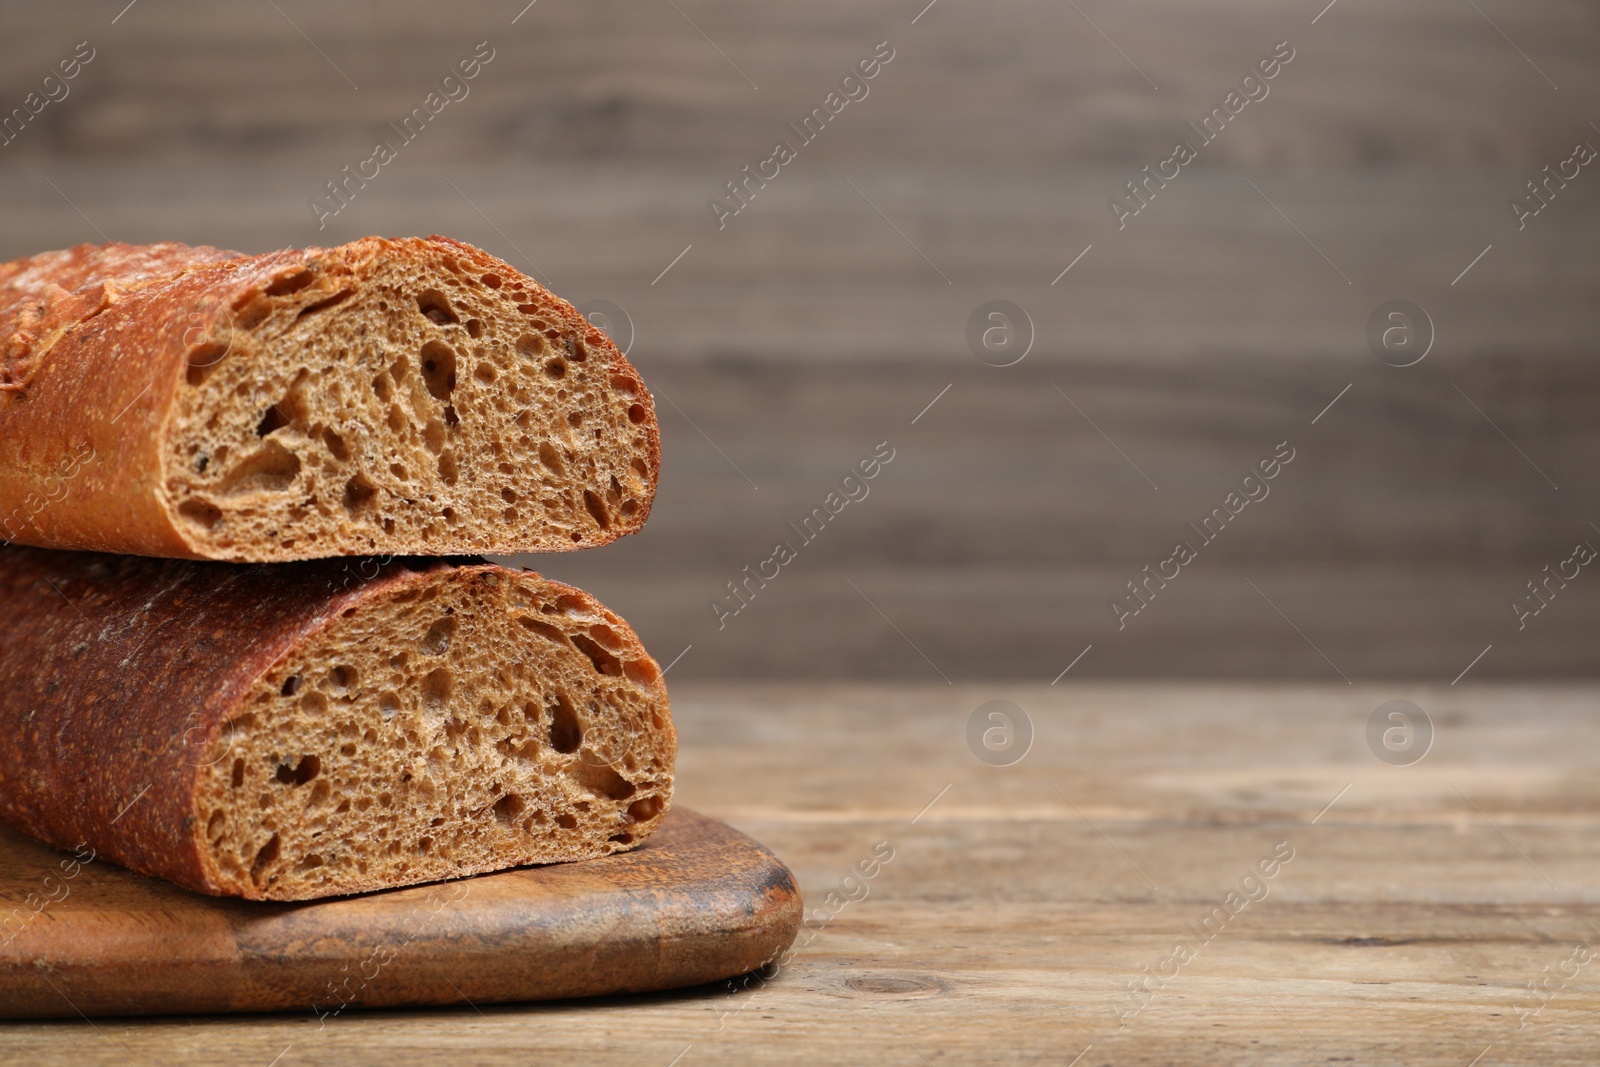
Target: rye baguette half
310	729
409	396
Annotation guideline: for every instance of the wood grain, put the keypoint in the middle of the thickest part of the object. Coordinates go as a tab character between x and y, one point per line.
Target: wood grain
1396	540
808	329
698	902
1016	911
1023	83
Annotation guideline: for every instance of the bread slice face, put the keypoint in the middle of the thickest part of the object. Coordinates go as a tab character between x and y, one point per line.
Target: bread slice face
339	728
408	396
444	728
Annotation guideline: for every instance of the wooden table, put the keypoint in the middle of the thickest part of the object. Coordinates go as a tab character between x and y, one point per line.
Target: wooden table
1010	908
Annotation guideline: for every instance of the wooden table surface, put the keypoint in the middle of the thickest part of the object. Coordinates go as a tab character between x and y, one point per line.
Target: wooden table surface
1410	914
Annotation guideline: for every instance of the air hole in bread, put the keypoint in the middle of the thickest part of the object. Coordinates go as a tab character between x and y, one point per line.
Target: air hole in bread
509	808
552	460
322	305
436	308
566	732
271	419
437	687
604	662
645	809
527	750
289	410
439	369
336	446
202	513
301	773
359	493
603	780
596	510
543	629
642	671
202	360
437	640
265	855
252	310
270	468
291	283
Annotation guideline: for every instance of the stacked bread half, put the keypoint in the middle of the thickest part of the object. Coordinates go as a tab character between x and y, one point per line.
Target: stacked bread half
255	649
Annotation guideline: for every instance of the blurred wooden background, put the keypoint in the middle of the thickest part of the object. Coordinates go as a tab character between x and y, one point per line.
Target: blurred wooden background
829	313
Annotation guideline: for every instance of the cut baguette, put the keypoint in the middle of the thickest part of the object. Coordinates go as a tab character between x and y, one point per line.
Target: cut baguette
412	396
313	729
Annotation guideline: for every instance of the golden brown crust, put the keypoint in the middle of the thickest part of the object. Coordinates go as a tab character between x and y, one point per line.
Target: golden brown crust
43	296
80	442
102	345
123	681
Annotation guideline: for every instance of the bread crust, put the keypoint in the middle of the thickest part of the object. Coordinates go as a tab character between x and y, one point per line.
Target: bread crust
88	376
120	677
97	341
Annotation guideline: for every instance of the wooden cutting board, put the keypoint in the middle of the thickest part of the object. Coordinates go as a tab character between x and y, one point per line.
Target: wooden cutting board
697	902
